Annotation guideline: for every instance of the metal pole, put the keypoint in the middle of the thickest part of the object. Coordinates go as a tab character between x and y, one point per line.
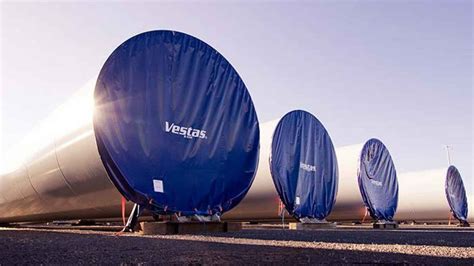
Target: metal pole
448	154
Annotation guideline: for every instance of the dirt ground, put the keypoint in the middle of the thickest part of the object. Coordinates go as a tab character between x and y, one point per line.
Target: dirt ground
252	245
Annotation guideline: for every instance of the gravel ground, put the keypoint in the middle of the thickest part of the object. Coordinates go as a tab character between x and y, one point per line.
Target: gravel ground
249	246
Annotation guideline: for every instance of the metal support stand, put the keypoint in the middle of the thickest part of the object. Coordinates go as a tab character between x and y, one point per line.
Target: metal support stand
463	223
191	227
281	211
282	214
382	224
133	219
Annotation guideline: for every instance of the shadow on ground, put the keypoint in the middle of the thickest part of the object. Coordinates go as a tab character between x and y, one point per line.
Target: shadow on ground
363	236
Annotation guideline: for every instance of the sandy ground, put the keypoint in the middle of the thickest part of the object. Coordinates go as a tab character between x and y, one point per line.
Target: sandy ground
249	246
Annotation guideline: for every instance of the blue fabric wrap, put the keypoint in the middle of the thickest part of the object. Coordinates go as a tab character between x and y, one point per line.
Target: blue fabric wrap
378	180
303	165
175	125
456	193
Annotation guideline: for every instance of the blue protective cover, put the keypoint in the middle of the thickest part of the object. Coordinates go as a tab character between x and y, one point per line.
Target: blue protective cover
456	194
303	165
175	125
378	180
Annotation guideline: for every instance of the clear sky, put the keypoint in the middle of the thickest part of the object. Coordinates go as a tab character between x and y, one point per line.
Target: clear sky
400	71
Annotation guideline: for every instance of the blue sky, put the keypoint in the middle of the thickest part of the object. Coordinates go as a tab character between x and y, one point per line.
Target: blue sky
400	71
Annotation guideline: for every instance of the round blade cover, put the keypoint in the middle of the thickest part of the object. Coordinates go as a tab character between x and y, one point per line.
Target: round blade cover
456	193
175	125
378	180
303	165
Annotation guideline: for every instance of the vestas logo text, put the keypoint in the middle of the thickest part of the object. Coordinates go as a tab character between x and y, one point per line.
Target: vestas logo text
186	132
308	167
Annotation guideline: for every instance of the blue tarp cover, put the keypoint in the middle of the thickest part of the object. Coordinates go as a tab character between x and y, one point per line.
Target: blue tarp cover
175	125
456	194
303	165
378	180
